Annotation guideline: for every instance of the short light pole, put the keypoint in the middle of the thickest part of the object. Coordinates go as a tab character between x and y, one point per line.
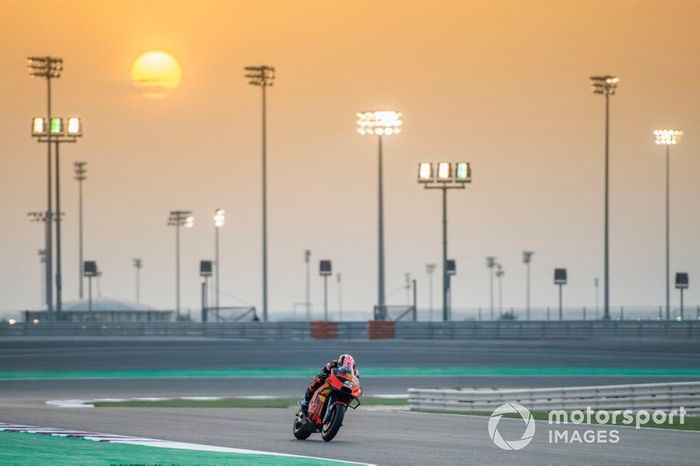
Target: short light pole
527	257
307	261
444	176
90	271
668	138
219	220
491	264
430	270
325	270
47	68
682	283
263	77
57	131
177	219
606	86
499	275
340	296
560	280
451	270
205	271
138	264
597	307
80	176
42	260
380	123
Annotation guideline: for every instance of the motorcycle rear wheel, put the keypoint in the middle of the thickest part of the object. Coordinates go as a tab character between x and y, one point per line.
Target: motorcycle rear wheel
331	428
302	428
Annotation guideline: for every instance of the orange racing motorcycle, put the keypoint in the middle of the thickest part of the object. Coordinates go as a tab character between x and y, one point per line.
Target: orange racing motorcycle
327	407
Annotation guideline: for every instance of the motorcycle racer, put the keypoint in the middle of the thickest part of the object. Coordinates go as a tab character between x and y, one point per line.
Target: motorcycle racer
345	364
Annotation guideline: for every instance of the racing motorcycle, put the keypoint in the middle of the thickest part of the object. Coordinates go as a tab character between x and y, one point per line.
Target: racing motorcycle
327	407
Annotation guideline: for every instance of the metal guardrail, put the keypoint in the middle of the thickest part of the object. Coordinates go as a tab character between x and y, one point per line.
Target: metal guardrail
650	396
301	330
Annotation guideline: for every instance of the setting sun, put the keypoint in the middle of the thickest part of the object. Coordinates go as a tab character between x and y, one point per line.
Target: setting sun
156	73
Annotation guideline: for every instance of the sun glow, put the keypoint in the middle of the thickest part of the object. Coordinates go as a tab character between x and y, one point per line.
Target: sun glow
156	73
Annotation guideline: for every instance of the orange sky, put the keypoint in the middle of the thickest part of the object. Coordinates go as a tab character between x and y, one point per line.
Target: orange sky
502	84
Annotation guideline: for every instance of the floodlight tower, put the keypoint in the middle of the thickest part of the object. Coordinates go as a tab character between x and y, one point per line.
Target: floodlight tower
177	219
80	175
668	138
527	257
263	77
48	68
606	86
219	220
380	123
56	130
445	176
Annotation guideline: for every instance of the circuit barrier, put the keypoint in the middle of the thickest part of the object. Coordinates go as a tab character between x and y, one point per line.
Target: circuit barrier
299	330
652	396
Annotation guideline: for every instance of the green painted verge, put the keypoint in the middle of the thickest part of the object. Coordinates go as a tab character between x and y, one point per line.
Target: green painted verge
23	449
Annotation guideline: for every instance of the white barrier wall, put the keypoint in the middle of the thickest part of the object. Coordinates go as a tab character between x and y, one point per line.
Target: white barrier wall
608	397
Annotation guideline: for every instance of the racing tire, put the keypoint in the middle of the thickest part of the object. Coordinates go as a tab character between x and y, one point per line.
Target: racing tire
331	428
302	428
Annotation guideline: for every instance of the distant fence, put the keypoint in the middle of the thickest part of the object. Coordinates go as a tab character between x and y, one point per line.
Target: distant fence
607	397
465	330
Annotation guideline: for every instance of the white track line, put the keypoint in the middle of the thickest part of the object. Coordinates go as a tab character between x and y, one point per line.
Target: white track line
125	439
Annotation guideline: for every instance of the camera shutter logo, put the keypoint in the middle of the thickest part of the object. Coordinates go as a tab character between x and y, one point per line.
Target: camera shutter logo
524	413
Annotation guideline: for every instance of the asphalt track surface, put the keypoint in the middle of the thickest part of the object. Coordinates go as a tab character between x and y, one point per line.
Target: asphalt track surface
381	437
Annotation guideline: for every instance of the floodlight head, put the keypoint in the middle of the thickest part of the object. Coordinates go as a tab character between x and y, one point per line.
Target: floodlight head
325	268
178	218
74	127
138	263
80	170
39	127
206	268
307	255
262	76
490	262
604	84
560	277
45	67
425	172
667	137
451	267
381	123
527	256
444	172
682	281
56	127
219	217
463	172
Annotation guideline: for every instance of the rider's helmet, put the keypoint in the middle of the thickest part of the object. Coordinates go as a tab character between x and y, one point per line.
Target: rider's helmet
346	364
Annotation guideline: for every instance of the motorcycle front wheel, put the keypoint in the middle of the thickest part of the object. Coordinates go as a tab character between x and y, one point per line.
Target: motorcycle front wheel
331	428
302	427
